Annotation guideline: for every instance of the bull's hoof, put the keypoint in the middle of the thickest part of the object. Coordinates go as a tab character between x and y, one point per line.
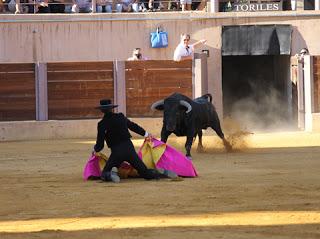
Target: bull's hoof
227	146
200	149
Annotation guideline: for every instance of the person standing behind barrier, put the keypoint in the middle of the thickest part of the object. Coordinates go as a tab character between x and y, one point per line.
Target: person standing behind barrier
184	51
81	6
137	55
125	5
185	5
104	6
56	6
42	6
28	6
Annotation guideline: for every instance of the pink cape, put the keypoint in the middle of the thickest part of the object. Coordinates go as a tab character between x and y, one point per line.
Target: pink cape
92	168
171	159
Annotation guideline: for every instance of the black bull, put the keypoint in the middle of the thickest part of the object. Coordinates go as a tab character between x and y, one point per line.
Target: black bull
186	117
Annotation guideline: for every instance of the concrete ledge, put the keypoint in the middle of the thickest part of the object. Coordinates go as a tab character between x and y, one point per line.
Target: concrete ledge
64	129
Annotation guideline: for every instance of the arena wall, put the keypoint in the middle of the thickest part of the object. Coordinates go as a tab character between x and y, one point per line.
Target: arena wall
105	37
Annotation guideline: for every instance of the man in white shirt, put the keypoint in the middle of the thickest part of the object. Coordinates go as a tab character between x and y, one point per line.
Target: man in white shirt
185	51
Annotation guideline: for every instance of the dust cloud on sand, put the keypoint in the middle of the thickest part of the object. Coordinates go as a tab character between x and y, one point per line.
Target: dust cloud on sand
264	109
236	139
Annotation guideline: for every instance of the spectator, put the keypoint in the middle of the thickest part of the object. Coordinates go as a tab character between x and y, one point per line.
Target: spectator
201	5
144	5
81	6
155	4
136	6
11	5
104	6
56	6
300	56
137	55
68	6
42	6
185	5
185	51
174	5
128	6
2	9
22	6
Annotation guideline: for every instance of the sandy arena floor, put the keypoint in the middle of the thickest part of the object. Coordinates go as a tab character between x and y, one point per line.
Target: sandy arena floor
268	188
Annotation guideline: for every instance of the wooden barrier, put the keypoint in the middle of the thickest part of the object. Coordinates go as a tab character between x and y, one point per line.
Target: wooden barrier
75	88
149	81
60	91
17	92
316	83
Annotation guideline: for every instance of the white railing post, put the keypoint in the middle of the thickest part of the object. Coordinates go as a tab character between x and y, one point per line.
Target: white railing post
316	4
308	91
214	5
200	75
119	86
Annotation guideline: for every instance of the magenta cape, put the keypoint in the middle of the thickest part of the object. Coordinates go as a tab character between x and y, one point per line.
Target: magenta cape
157	154
154	154
92	168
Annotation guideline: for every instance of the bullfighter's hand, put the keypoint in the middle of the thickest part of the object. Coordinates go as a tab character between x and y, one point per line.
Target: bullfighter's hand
149	137
93	153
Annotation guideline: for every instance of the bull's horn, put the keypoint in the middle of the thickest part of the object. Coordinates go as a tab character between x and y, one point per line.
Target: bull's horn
156	104
187	105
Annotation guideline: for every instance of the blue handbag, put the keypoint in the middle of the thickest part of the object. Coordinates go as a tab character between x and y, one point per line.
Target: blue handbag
159	39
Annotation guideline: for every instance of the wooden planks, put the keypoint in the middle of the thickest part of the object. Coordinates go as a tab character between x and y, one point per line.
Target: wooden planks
75	88
316	83
17	92
149	81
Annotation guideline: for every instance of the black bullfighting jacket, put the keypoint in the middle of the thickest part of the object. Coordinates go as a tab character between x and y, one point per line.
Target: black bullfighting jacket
113	128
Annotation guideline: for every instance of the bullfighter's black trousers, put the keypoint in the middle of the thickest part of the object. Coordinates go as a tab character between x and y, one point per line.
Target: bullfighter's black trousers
125	151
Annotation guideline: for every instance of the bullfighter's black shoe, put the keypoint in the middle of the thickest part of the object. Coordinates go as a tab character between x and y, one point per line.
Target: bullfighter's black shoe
111	176
167	173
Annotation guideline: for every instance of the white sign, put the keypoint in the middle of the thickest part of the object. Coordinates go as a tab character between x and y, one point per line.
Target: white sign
256	7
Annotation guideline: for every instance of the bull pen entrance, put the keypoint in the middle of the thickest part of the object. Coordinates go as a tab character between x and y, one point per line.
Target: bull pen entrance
256	83
255	91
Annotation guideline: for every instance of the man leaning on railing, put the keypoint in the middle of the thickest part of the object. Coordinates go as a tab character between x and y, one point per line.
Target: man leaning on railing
81	6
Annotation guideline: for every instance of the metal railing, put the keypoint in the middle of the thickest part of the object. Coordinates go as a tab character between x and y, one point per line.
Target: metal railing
96	6
117	6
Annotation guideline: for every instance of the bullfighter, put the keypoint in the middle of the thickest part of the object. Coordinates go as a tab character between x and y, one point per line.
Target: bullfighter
113	128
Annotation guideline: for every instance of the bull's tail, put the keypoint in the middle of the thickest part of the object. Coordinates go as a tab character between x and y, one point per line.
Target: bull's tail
208	96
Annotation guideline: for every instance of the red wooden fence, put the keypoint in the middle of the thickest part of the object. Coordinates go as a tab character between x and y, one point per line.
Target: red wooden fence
17	92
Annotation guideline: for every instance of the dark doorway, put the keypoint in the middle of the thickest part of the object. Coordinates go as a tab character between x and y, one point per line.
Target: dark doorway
257	91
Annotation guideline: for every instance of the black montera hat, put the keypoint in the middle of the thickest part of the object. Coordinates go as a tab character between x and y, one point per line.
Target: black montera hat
106	104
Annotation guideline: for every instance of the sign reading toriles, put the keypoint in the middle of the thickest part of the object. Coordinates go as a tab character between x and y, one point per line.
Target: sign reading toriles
256	7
